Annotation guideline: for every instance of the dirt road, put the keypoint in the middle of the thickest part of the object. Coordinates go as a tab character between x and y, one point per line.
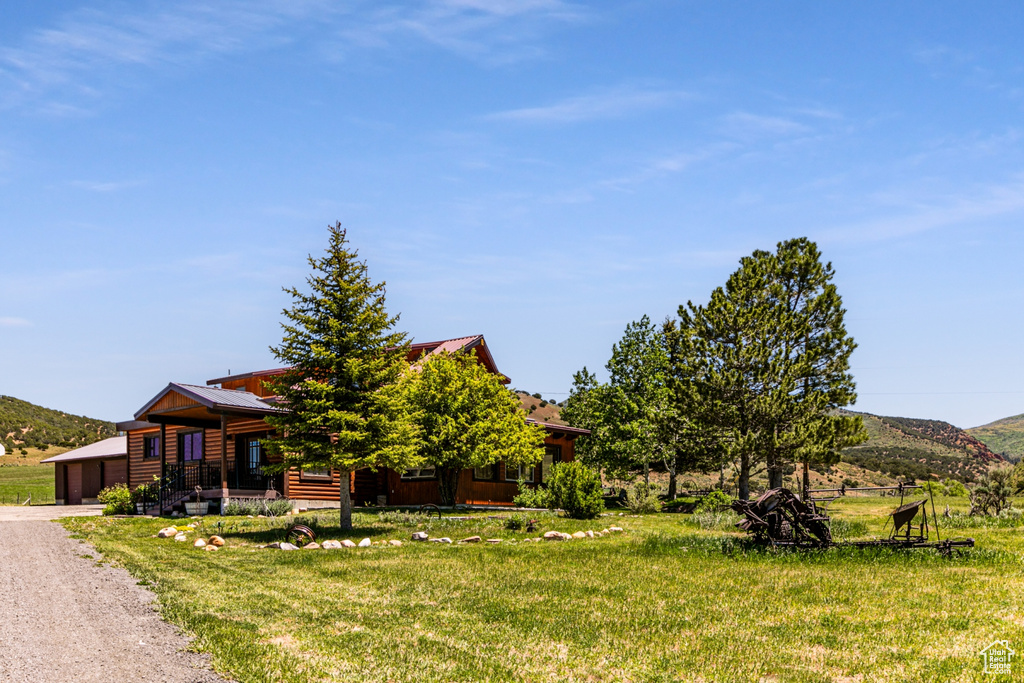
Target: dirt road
63	618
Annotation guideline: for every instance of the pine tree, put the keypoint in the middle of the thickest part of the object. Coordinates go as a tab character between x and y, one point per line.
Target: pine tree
344	406
770	362
468	419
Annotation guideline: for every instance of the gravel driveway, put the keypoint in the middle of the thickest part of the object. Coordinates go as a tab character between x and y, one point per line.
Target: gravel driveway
63	618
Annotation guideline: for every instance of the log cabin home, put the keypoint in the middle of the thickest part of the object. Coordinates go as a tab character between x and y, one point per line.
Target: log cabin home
207	441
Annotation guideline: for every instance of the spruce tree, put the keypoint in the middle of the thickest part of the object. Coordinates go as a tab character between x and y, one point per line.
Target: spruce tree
344	359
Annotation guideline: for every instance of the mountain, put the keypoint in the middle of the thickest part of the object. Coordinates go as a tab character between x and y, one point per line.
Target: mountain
1005	436
25	425
908	447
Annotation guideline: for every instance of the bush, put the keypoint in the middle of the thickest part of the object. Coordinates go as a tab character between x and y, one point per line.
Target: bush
117	500
258	506
715	501
516	522
992	494
955	488
532	497
576	489
642	499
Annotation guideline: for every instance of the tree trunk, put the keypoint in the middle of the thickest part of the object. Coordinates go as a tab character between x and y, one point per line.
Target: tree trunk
671	479
647	473
807	479
345	501
448	484
774	473
721	475
744	484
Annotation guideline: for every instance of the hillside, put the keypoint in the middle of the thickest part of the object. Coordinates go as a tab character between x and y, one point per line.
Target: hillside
24	425
538	408
1005	436
908	447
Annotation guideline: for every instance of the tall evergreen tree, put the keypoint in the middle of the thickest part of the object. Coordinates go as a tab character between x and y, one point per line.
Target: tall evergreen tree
770	356
468	419
344	359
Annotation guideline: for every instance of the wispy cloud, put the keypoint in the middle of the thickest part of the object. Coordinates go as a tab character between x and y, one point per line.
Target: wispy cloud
923	215
78	55
745	125
113	186
670	164
14	322
614	103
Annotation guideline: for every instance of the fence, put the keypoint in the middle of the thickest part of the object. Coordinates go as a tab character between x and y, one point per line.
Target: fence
26	498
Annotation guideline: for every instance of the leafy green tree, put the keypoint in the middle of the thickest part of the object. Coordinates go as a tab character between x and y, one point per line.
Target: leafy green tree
344	406
769	359
587	408
467	419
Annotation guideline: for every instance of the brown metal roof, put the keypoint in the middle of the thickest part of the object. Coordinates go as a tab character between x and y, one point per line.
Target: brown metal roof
215	399
114	447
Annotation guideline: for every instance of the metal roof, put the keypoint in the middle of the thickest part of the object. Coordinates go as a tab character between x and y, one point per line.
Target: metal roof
214	398
114	447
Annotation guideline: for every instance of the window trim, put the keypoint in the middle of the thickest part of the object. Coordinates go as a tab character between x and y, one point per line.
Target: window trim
147	439
519	469
305	475
182	435
494	473
432	477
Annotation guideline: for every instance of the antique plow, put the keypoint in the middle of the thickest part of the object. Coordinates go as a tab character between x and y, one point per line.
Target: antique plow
780	518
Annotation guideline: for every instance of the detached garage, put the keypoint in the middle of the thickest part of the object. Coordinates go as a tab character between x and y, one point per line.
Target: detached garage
80	475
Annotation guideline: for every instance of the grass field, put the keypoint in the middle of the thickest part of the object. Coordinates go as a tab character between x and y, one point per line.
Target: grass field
664	601
18	481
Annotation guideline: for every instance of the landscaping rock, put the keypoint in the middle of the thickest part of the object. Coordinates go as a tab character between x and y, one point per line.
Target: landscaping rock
471	539
395	542
590	534
604	531
579	534
211	547
181	538
615	528
446	540
553	536
216	540
348	544
494	540
365	543
288	546
167	532
420	536
199	543
311	546
331	545
275	545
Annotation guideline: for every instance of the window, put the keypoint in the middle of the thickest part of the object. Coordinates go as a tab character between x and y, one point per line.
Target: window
190	447
151	447
419	473
485	473
552	455
253	458
513	473
318	473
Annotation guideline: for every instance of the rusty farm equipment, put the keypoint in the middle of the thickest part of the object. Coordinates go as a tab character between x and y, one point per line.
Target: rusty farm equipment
779	517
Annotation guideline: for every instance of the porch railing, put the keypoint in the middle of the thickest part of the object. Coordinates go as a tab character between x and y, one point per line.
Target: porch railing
180	482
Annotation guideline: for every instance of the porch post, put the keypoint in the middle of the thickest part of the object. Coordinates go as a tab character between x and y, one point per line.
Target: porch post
223	462
163	450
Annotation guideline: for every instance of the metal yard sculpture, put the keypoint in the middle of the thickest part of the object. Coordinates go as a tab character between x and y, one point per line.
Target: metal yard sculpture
780	518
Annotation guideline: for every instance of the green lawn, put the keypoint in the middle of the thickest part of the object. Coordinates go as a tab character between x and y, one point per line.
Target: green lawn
17	481
664	601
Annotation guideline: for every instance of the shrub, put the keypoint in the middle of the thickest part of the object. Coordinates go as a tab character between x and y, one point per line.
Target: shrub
532	497
515	522
258	506
642	499
955	488
992	494
576	489
117	500
714	502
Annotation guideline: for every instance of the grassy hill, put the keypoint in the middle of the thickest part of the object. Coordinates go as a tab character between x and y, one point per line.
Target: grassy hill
539	408
25	426
907	447
1005	436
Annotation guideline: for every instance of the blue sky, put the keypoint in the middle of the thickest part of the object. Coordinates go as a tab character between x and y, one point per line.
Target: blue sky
541	172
